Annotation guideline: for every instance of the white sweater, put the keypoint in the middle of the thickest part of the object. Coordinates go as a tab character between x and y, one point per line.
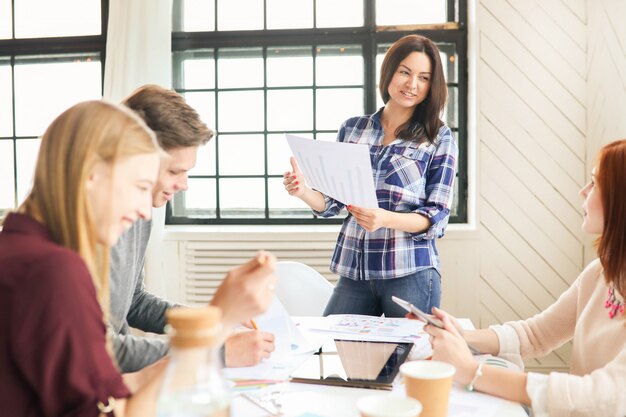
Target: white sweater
596	384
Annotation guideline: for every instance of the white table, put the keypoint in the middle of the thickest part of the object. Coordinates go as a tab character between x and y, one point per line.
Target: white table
312	400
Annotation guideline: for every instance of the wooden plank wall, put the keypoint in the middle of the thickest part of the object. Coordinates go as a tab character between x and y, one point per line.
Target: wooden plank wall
606	86
532	100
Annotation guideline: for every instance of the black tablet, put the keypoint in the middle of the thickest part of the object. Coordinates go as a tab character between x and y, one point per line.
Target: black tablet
354	363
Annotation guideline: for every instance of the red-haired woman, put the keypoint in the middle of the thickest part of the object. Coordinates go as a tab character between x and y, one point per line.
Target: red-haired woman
590	312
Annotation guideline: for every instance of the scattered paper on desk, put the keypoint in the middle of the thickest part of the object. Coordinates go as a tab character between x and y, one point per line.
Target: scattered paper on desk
288	339
372	327
292	348
275	368
470	404
342	171
382	329
307	401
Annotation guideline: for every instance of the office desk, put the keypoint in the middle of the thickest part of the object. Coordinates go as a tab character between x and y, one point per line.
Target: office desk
298	399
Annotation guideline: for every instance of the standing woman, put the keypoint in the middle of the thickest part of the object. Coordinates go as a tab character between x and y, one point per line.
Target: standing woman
391	250
590	313
94	175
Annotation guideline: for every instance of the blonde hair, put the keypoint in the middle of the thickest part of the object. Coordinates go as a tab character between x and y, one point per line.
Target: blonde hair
85	134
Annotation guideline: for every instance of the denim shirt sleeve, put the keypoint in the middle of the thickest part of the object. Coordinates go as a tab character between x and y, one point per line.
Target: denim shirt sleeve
333	207
439	186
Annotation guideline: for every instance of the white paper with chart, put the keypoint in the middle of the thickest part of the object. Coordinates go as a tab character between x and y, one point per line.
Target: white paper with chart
342	171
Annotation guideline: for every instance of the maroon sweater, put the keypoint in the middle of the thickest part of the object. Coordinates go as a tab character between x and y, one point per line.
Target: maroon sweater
53	360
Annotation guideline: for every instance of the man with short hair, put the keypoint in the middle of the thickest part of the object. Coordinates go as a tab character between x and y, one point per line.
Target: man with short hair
180	132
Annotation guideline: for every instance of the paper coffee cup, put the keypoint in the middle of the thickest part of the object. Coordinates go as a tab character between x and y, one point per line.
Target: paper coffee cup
388	406
430	383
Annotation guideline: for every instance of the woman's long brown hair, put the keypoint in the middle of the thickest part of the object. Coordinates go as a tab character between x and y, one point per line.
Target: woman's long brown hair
611	182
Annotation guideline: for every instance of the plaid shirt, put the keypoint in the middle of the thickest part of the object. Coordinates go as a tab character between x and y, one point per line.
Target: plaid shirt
409	178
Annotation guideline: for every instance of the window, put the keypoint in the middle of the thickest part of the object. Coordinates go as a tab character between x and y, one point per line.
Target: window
300	67
49	60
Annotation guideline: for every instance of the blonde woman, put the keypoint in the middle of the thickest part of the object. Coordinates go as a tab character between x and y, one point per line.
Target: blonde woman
97	166
54	269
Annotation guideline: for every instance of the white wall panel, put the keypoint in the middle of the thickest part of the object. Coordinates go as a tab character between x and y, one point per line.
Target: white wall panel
532	94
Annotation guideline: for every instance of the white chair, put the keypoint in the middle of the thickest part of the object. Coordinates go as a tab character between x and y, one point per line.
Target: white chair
301	289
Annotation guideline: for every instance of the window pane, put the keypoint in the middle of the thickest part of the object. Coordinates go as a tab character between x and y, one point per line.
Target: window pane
289	14
344	13
449	61
205	161
199	73
334	106
204	104
450	114
6	24
242	197
239	14
45	90
7	184
240	68
241	155
198	16
278	154
200	196
282	205
410	12
380	56
26	156
6	100
240	111
289	67
454	208
339	65
289	110
40	19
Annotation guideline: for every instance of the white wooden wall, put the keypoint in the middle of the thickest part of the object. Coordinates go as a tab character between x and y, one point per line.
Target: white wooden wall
532	94
549	88
606	86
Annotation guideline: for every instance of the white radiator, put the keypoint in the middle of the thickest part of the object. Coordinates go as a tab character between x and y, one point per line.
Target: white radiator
206	262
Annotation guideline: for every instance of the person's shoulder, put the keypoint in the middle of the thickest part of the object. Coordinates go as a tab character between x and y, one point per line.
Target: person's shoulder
444	134
593	271
590	278
55	266
358	122
132	240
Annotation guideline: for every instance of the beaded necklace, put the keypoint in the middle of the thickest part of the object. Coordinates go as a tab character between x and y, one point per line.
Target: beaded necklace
613	303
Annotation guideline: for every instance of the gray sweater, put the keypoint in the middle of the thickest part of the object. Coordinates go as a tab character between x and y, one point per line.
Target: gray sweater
132	305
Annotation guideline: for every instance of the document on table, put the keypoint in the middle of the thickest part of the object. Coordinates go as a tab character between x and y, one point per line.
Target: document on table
292	348
288	338
470	404
342	171
382	329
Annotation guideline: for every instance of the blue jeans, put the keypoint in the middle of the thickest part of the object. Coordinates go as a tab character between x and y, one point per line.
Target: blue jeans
373	298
